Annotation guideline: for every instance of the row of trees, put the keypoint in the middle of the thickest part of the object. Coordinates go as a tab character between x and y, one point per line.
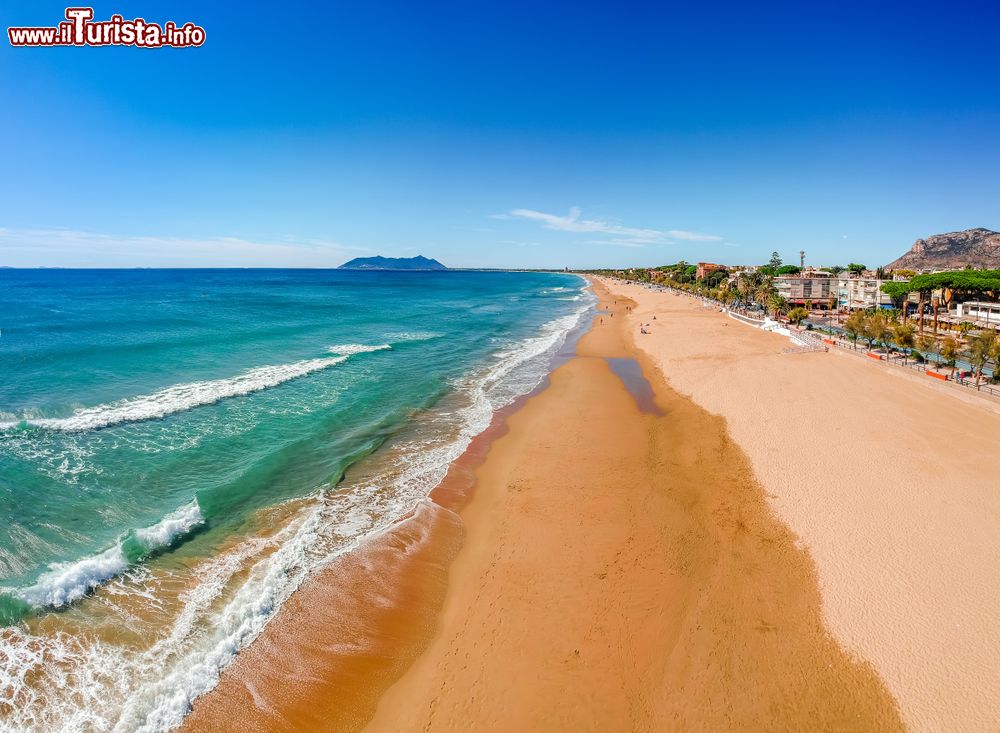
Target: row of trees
982	350
940	289
755	289
750	289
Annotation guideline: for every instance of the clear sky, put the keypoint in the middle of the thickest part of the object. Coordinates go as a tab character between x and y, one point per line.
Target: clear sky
502	134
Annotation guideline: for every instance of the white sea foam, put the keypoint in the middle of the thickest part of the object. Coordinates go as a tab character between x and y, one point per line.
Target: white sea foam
404	336
182	397
350	349
152	691
171	527
66	582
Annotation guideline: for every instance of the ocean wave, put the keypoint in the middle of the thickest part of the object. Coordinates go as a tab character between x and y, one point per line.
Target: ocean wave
406	336
183	397
239	591
67	582
177	523
64	583
351	349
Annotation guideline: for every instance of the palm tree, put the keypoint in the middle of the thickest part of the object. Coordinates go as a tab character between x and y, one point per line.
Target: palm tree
797	315
764	290
776	304
747	284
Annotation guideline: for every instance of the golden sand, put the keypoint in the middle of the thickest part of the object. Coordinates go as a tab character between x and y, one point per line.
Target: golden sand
620	571
888	477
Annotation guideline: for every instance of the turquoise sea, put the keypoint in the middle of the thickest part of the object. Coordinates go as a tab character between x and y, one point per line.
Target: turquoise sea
173	444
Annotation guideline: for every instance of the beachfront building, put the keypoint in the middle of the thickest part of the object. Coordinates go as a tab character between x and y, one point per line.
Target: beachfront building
861	293
978	312
704	268
815	289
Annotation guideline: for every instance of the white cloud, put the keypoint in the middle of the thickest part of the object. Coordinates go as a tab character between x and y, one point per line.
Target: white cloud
620	235
623	242
693	236
74	248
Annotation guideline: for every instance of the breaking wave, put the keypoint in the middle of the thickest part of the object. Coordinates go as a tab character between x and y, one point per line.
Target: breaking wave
67	582
183	397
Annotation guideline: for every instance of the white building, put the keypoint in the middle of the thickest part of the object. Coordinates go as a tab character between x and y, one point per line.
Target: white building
817	291
977	310
860	293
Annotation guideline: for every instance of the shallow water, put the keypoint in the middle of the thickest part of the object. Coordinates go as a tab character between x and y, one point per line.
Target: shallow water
630	372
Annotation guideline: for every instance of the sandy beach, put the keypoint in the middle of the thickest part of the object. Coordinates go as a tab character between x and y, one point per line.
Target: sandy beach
888	479
620	568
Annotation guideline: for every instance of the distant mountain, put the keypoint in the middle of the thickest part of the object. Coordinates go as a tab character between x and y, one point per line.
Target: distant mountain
979	248
392	263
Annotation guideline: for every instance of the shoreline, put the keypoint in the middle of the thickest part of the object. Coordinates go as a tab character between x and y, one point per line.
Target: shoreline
609	581
587	564
340	680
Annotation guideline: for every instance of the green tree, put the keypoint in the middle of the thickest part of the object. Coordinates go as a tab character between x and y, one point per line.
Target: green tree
855	325
949	352
855	268
797	315
775	262
904	336
899	292
877	327
965	328
775	303
927	343
982	350
763	291
788	270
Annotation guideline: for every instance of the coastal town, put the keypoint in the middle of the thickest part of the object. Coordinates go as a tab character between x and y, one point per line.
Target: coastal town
944	322
880	469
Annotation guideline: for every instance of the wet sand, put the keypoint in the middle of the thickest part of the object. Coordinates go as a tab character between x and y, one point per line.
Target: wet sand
617	568
889	479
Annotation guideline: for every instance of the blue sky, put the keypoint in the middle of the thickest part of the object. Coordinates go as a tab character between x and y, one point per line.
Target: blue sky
503	134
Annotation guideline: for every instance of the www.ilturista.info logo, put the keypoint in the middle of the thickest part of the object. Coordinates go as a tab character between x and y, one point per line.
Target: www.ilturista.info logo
80	29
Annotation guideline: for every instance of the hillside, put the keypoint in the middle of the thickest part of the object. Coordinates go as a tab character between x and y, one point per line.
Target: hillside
392	263
979	248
